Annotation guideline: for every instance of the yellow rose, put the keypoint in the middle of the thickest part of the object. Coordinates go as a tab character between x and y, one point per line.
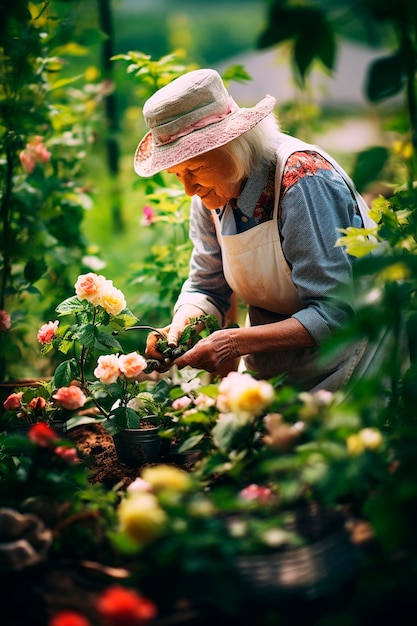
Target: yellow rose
111	299
355	445
243	394
167	477
141	517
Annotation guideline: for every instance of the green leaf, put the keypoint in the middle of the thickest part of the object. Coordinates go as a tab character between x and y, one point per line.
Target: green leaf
123	320
190	443
65	373
283	24
237	73
368	166
104	341
86	335
226	431
35	269
386	77
71	305
66	345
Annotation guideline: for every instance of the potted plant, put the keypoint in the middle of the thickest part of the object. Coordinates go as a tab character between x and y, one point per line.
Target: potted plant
40	402
136	414
97	376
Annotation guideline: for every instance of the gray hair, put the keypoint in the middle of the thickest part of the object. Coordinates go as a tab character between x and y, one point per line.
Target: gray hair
255	146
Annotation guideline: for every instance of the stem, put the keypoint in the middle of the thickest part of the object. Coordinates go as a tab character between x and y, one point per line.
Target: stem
155	330
5	211
409	53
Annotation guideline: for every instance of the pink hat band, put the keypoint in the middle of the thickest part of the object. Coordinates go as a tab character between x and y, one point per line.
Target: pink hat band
161	140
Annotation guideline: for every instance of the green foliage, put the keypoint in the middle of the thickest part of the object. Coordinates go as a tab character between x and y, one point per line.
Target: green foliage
47	122
301	23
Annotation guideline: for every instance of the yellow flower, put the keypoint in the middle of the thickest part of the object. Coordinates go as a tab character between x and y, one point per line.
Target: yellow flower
112	299
365	439
141	517
355	445
167	477
91	74
240	393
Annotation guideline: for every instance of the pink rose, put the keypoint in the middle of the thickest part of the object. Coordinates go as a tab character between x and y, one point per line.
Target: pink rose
70	398
5	321
28	161
47	332
68	454
89	287
148	216
40	151
132	365
181	403
37	404
107	369
35	152
256	493
13	401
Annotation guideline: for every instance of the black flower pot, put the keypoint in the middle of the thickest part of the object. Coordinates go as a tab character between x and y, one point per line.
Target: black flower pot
137	446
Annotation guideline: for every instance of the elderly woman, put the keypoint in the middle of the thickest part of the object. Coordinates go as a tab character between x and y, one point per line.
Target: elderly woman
266	212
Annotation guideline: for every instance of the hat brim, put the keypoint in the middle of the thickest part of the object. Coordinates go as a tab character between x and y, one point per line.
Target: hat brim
150	159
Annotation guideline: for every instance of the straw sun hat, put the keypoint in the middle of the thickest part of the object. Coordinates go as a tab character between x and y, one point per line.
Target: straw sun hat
190	116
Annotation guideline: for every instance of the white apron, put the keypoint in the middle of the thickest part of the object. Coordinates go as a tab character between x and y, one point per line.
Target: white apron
253	261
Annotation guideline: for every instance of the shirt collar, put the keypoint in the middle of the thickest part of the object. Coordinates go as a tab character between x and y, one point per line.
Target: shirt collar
253	188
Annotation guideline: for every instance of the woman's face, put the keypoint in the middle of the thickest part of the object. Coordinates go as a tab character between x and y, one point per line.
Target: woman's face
207	176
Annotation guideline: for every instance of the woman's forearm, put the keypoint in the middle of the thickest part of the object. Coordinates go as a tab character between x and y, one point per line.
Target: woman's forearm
284	335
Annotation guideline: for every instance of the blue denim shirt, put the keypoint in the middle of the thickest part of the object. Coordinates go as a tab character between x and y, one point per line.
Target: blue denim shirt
313	209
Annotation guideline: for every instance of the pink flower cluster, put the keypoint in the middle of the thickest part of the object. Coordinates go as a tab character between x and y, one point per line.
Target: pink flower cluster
34	153
111	366
100	292
70	398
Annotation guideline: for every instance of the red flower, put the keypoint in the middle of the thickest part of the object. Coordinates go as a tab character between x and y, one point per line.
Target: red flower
42	434
69	618
118	606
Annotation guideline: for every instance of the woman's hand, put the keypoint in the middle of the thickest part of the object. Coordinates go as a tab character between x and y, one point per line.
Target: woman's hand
152	352
172	333
181	319
209	353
